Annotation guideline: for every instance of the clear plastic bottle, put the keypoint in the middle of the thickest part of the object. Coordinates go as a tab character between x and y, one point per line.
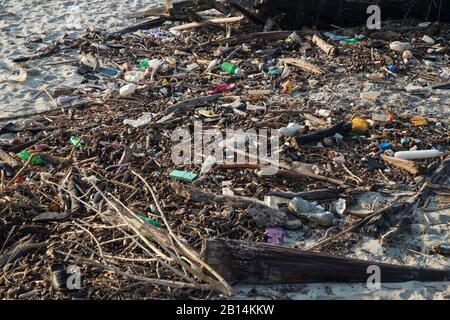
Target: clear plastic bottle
207	165
146	118
306	210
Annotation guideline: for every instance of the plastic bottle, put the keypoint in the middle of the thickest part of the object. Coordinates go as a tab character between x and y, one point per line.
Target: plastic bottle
290	130
37	160
418	154
382	117
146	118
323	113
400	46
127	90
207	165
230	68
306	210
134	76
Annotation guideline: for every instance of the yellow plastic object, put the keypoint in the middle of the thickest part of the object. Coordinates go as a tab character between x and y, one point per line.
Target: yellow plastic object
287	87
419	121
360	125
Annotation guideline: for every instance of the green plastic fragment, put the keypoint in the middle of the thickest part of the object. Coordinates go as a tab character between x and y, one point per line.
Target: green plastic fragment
275	71
183	175
149	221
144	64
351	40
37	160
75	141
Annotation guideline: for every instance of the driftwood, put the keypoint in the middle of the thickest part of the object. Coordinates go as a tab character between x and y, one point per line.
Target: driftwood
304	65
193	25
260	263
47	52
268	36
295	175
287	172
18	251
323	194
341	127
440	176
191	103
51	217
9	160
251	16
263	215
141	26
402	164
216	5
323	45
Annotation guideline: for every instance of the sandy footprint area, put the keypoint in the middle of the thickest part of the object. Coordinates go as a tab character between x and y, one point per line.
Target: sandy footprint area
26	26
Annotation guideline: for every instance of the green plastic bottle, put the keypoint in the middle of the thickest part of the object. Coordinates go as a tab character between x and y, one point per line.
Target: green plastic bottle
230	68
37	160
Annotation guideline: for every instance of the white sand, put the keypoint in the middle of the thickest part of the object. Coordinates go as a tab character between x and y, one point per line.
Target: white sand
50	20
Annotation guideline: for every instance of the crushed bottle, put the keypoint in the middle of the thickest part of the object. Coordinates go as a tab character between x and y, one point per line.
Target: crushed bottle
308	211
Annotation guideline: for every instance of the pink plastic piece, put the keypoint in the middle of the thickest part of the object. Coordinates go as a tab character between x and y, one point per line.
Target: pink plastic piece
221	88
41	147
275	235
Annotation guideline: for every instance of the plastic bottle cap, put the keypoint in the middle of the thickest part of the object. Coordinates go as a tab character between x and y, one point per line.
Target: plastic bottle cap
237	71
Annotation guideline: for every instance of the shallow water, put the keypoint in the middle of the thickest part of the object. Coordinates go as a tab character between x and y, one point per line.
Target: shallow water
50	20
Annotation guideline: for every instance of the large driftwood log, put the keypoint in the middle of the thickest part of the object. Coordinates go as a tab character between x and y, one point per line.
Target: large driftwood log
260	263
